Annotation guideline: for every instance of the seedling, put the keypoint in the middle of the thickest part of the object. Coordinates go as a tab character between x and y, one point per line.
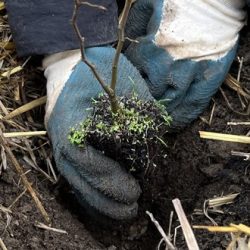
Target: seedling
126	129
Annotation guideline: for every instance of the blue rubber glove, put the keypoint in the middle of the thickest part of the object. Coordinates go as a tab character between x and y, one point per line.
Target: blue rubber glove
99	181
184	50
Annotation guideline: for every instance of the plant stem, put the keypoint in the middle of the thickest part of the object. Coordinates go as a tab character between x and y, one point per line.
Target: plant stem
121	39
109	91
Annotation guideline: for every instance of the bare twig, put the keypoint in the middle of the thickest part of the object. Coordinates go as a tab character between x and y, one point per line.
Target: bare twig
45	227
161	231
17	199
186	228
23	177
121	38
109	91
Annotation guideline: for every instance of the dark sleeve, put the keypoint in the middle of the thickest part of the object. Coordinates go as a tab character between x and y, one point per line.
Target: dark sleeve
43	27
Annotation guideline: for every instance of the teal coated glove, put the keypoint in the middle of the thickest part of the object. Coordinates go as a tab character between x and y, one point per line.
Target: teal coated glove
184	50
98	180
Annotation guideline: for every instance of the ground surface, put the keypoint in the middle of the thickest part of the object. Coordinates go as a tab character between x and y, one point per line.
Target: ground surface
194	171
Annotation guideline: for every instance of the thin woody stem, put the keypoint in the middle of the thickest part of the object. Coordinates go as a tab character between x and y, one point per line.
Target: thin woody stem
121	39
111	93
82	47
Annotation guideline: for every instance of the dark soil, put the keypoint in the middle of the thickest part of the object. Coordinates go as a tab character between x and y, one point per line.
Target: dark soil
194	171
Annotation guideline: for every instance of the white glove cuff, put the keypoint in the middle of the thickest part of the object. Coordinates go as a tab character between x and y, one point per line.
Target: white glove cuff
58	68
200	29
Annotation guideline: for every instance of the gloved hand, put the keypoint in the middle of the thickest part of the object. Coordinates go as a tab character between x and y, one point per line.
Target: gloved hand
184	50
99	181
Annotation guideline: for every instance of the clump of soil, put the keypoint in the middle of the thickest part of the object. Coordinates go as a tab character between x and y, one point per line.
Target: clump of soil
133	136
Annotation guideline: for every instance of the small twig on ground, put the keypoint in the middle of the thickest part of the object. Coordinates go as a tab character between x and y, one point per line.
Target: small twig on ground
220	201
49	164
233	84
170	224
161	231
17	199
209	122
2	245
241	154
175	234
205	211
23	177
3	165
45	227
186	228
238	123
5	209
230	106
241	60
212	114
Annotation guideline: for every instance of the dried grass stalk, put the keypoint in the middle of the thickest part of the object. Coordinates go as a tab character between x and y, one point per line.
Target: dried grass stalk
29	106
2	6
186	228
24	134
217	229
24	178
12	71
2	245
224	137
220	201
